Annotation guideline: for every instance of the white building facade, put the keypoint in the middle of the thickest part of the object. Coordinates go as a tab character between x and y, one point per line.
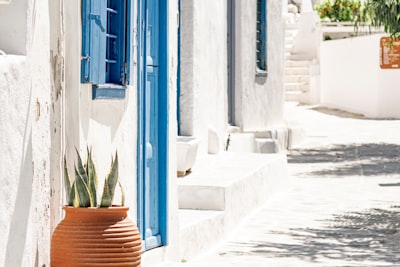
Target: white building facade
222	81
56	98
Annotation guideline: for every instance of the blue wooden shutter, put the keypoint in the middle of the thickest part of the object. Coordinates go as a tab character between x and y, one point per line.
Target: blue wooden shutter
116	63
94	27
261	48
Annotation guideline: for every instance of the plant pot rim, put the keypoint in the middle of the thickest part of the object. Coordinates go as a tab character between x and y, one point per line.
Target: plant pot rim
95	212
94	209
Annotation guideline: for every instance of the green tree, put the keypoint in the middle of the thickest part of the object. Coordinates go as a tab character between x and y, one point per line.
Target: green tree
339	10
384	13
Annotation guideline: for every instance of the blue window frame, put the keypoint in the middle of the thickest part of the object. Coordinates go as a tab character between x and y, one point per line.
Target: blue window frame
105	47
261	40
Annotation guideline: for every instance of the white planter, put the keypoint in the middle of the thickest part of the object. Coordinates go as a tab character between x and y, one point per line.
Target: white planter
186	150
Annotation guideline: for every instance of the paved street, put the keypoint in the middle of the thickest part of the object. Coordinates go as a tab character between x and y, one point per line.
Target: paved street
342	208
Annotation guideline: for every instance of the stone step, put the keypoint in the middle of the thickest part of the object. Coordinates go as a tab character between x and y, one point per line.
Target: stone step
295	57
290	33
289	39
267	145
200	230
288	47
297	71
234	183
292	96
241	142
297	78
292	26
305	97
302	87
297	63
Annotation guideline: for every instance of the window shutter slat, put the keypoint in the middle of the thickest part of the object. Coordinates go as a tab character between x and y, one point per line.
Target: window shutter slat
105	48
116	52
261	42
94	25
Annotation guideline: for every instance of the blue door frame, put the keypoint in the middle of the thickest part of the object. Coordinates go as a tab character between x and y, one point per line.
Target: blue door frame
152	171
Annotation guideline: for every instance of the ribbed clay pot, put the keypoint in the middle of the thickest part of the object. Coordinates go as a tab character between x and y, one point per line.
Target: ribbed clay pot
96	237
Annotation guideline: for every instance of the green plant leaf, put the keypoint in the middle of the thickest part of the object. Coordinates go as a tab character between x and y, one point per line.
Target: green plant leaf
74	196
82	191
81	170
92	177
110	183
106	197
122	194
67	183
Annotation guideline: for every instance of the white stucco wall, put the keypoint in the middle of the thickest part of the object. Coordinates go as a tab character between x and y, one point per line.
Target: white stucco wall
46	112
306	42
259	100
203	99
25	113
352	80
14	27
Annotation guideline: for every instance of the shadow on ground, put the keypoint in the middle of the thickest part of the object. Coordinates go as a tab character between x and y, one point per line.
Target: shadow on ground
338	112
358	237
367	159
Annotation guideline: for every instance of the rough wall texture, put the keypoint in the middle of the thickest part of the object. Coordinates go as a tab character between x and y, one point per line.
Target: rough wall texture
25	114
203	99
14	27
259	100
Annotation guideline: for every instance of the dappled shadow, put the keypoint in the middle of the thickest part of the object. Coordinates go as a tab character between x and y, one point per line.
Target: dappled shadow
369	159
338	112
369	236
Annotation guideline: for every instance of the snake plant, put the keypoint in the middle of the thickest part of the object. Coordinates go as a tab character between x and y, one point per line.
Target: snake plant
82	192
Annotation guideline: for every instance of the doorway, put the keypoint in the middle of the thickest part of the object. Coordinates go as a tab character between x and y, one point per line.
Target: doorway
152	122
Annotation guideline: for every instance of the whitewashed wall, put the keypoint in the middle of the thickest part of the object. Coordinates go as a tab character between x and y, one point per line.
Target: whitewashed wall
46	112
203	99
352	80
25	118
14	27
259	100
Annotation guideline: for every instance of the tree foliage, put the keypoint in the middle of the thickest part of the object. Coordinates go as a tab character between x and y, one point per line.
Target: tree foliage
384	13
339	10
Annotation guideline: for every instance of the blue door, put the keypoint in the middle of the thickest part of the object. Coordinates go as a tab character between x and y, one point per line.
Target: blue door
153	123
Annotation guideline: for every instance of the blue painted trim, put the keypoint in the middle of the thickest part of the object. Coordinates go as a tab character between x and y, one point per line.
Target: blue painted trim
108	91
129	42
261	45
178	76
141	129
116	47
163	121
85	50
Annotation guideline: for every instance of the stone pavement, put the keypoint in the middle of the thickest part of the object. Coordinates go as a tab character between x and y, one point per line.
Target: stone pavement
342	207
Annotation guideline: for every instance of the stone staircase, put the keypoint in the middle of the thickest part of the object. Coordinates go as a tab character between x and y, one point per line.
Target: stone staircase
221	190
297	71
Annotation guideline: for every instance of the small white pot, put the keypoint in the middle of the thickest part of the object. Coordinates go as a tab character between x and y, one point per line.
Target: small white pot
186	151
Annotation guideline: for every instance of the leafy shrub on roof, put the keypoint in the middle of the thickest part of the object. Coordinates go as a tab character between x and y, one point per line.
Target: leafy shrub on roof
339	10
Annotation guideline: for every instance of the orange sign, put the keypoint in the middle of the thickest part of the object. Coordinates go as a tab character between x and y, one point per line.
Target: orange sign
389	53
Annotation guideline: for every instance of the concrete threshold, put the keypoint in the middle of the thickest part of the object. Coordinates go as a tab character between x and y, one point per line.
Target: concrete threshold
220	191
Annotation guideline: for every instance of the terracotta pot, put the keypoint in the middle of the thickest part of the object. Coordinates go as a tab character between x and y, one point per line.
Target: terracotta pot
96	237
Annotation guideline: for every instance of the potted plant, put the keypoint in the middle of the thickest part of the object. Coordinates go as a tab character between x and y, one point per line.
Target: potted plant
94	233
